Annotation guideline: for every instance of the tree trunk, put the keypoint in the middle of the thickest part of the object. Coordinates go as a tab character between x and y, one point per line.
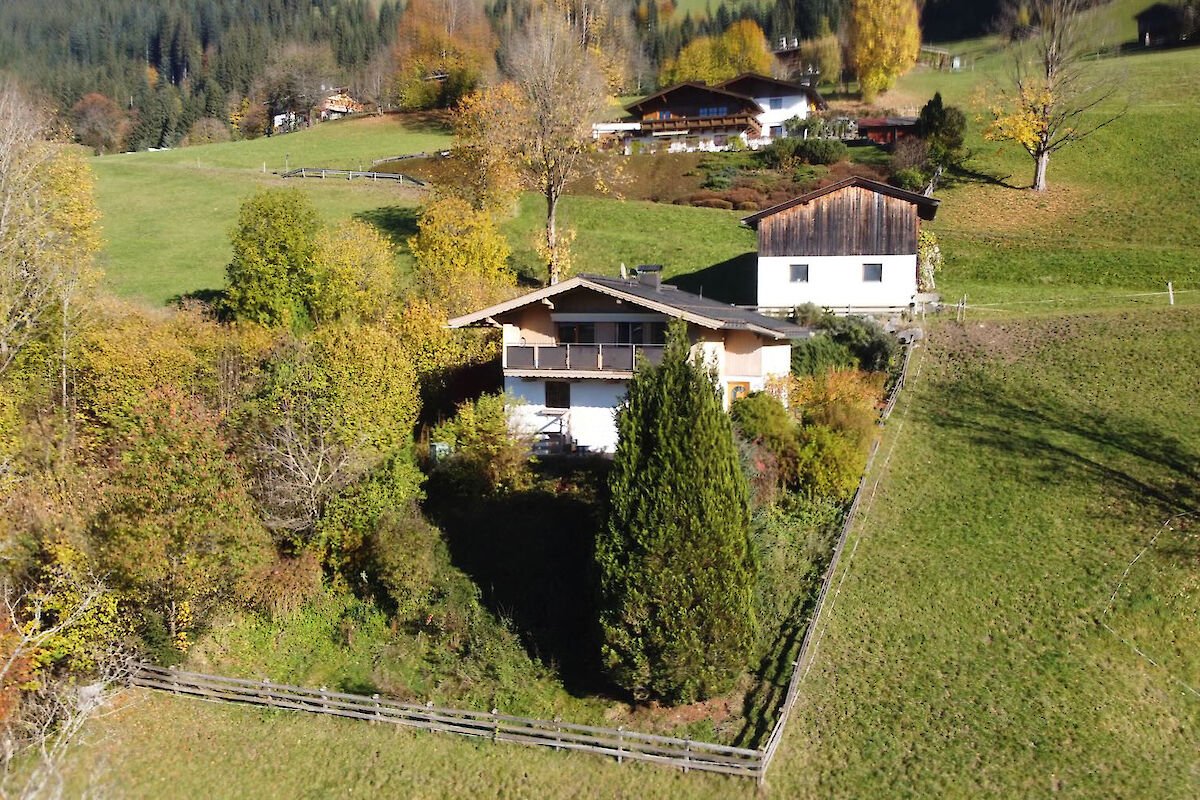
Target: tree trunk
552	235
1040	161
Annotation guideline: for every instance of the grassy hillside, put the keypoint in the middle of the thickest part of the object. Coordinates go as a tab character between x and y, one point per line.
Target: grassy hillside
1120	211
1029	464
167	214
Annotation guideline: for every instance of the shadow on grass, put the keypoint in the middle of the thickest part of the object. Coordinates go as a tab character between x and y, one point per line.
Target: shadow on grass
1065	444
396	222
963	174
734	280
531	555
763	703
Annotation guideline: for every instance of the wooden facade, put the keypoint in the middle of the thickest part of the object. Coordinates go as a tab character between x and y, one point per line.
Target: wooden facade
687	100
850	221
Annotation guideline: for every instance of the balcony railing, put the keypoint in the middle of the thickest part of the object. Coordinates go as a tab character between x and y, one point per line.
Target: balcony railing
580	357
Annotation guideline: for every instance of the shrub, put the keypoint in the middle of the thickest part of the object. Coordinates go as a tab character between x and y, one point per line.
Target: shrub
714	203
929	260
675	562
809	315
403	550
762	419
873	348
843	400
282	587
488	452
912	179
819	354
821	151
831	465
354	514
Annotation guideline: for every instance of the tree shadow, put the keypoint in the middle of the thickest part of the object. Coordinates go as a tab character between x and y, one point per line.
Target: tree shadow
210	299
968	175
531	553
1069	445
396	222
762	704
734	280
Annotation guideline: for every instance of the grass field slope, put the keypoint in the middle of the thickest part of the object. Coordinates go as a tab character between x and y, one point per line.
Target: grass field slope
167	214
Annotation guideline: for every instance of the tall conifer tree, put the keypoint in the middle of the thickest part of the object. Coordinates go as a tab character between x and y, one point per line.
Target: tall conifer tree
676	570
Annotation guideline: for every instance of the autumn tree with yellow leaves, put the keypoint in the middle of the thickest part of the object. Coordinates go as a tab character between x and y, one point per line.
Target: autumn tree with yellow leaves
1053	97
742	48
884	40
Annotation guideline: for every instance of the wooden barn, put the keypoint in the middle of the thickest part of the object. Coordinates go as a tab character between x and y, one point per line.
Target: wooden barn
850	245
886	130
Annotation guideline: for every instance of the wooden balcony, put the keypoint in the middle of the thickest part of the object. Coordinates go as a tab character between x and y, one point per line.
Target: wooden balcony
604	360
697	124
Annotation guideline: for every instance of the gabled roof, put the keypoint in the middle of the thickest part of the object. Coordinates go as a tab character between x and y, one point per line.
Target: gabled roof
886	122
926	206
739	83
704	87
664	299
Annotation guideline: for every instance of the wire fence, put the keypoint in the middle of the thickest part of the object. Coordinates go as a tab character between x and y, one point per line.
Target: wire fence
618	743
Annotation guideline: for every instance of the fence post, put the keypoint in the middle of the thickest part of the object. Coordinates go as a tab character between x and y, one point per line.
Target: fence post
620	742
687	753
557	733
375	697
495	725
1170	294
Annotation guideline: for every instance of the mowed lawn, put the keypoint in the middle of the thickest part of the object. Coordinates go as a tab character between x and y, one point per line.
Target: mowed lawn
1029	463
167	215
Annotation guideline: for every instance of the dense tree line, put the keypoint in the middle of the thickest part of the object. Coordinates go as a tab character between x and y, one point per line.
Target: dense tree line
176	63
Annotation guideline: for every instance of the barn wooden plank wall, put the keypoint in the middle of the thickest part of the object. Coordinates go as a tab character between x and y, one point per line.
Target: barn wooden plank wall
852	221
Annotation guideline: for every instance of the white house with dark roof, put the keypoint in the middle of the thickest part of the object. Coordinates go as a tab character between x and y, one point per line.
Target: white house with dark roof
570	349
850	246
693	116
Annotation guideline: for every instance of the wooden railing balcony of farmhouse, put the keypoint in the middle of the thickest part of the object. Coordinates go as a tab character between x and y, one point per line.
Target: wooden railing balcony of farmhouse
695	124
602	358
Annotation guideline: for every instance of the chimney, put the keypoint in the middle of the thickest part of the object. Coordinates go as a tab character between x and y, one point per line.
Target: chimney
650	275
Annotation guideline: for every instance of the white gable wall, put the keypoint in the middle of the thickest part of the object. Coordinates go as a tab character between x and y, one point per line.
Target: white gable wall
794	105
837	281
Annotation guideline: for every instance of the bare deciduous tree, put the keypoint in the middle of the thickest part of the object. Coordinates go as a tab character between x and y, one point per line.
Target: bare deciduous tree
563	92
303	462
1055	94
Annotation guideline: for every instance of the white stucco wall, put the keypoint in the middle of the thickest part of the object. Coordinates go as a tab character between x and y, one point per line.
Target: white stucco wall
837	281
776	360
590	420
794	105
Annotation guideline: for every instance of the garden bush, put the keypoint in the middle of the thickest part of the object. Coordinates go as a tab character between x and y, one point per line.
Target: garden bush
831	465
821	151
912	179
873	348
819	354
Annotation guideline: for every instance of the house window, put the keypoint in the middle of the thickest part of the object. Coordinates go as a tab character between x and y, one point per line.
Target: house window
776	131
714	111
631	333
776	103
738	390
558	394
872	273
577	333
719	140
799	273
658	333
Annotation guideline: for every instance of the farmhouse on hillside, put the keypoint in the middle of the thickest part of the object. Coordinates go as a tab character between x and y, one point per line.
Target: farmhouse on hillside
570	349
851	246
693	116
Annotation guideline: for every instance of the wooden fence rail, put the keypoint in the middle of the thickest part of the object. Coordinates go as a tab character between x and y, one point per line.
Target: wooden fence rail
618	743
351	174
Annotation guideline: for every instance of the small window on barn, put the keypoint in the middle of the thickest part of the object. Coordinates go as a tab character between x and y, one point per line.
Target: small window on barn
799	273
776	103
872	273
558	394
